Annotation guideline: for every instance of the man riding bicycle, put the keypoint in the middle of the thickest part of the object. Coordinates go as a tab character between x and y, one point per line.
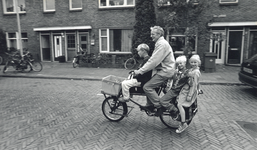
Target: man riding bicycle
162	62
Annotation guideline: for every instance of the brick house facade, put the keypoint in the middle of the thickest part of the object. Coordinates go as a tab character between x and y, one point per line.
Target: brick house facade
59	29
232	27
53	28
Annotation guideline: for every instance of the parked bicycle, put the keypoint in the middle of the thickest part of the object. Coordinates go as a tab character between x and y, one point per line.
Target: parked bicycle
115	110
26	64
82	56
132	62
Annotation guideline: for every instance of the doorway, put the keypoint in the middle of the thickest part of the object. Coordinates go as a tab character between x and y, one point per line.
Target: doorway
234	47
83	42
46	47
57	47
218	42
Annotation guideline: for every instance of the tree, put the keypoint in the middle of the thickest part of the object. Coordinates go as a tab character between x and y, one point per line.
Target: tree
144	19
184	16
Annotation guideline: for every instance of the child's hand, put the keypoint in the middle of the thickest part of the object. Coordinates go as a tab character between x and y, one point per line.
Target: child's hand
190	74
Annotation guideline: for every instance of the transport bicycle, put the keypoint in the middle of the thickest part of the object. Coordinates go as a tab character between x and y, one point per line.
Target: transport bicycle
115	110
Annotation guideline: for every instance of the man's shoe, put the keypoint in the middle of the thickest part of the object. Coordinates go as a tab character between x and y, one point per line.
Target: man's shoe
182	128
121	99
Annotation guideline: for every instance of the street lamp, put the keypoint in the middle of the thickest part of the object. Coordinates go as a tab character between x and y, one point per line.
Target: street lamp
19	28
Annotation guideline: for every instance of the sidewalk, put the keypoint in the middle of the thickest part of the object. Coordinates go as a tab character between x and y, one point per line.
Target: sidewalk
55	70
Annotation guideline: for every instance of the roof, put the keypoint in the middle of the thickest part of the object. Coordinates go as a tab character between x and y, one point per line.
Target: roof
231	24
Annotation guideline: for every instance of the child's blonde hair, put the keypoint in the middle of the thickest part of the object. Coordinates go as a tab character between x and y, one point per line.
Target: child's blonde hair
196	58
181	58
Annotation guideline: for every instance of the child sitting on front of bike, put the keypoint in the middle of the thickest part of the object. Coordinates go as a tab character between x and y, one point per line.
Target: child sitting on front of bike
140	80
175	84
188	93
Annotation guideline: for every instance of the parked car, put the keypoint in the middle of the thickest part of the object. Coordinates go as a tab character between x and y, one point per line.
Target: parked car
248	72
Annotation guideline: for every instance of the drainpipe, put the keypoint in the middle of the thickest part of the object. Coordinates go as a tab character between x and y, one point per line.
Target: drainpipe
19	27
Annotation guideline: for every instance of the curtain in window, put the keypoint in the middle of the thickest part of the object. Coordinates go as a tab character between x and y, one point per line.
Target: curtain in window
126	40
49	4
9	5
111	39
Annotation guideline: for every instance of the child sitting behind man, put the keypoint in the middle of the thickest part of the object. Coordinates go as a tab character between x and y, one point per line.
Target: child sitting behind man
140	80
178	80
188	93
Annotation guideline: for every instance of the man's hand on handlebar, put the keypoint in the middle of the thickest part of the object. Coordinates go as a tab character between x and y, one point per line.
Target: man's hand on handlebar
136	72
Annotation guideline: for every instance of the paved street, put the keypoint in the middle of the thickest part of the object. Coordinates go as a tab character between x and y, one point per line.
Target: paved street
60	114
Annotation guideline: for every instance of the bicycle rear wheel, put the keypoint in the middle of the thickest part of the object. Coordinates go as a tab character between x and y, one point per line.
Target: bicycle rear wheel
114	110
130	63
170	121
37	66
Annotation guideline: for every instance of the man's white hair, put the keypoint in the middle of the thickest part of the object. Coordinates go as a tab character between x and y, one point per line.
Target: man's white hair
158	30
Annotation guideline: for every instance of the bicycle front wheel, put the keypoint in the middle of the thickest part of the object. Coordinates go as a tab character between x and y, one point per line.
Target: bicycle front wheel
169	121
114	110
37	66
130	63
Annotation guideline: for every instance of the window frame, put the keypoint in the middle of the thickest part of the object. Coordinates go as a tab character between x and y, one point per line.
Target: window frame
16	39
75	9
228	3
108	42
116	6
165	3
48	10
185	39
14	11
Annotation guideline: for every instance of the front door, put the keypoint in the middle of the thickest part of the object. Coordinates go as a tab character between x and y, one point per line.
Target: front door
234	47
57	47
218	41
83	42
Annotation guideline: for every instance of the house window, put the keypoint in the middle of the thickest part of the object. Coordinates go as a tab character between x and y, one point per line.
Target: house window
12	40
75	4
49	5
71	41
9	6
115	40
116	3
178	43
228	2
170	2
